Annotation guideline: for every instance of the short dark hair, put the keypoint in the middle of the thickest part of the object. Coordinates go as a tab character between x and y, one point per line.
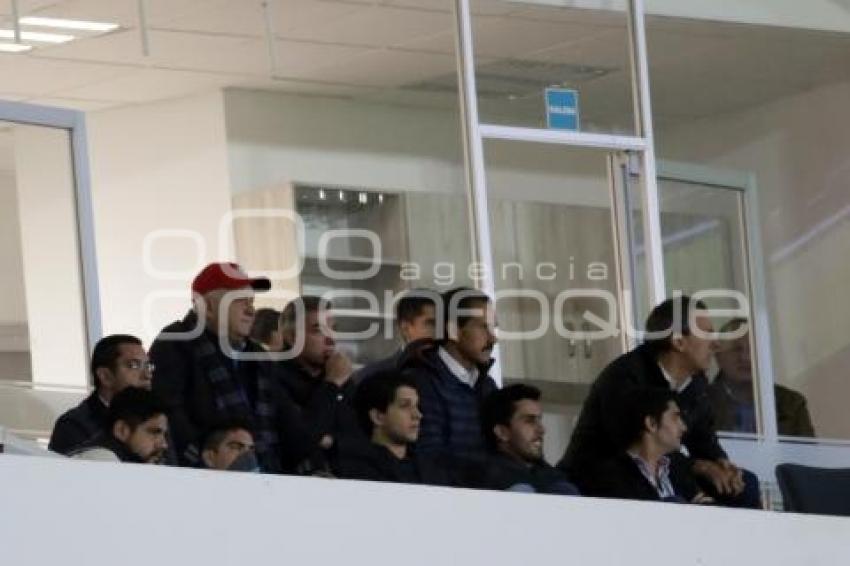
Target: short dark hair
378	392
668	318
456	301
635	405
107	351
499	408
300	306
412	302
266	321
134	406
215	434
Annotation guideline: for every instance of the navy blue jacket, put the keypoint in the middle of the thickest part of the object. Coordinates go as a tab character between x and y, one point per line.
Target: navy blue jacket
451	410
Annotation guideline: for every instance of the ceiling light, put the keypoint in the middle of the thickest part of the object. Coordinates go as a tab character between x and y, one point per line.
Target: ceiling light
14	47
37	36
68	24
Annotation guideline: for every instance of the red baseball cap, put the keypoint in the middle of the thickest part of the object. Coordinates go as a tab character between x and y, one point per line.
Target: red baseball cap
228	276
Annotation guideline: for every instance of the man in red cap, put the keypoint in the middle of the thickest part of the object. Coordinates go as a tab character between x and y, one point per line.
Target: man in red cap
208	369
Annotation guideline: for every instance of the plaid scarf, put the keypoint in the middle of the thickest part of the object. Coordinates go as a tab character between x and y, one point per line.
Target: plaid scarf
232	401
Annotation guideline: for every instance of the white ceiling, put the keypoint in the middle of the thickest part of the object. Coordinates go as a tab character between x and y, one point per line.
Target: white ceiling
389	50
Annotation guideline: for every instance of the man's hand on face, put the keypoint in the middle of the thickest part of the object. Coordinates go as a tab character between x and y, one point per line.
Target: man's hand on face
338	369
726	478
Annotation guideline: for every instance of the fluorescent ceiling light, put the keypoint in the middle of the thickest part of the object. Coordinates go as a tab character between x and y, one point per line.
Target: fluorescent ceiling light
68	24
14	48
37	36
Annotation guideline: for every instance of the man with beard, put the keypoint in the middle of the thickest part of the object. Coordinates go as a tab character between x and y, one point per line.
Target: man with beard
451	376
513	429
136	430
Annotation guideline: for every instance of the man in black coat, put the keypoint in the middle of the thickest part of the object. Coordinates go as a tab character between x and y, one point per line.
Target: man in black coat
317	376
209	370
415	318
677	350
388	410
512	420
118	361
135	431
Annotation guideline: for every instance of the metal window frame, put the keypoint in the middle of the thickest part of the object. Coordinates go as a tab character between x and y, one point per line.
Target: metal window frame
474	134
74	122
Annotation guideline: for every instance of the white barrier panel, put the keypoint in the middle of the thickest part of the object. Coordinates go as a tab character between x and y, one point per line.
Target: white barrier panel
71	512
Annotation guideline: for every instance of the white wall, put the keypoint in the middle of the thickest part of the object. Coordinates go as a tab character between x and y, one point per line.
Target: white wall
159	166
51	263
12	304
93	512
798	149
275	138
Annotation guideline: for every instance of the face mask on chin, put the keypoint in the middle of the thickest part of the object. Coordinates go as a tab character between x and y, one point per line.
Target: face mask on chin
246	462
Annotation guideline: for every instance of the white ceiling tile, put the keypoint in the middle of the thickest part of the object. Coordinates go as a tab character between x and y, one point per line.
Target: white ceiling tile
186	51
377	26
513	38
301	59
387	68
35	76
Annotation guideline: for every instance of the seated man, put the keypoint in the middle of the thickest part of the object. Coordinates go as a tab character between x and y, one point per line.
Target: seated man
208	369
266	330
731	393
649	467
318	377
451	376
229	445
136	430
118	361
415	316
388	409
675	354
513	427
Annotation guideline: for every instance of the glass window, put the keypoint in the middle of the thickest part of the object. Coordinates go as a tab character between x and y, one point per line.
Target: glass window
370	163
752	91
523	48
555	270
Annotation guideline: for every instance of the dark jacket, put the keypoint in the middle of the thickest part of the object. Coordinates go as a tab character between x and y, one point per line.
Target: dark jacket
450	409
327	408
503	473
387	364
368	461
79	425
621	478
596	436
183	380
792	414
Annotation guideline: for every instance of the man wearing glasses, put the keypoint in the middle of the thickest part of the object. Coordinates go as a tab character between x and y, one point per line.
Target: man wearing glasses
118	361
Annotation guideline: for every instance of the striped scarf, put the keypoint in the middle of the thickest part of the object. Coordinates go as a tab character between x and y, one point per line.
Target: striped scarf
232	400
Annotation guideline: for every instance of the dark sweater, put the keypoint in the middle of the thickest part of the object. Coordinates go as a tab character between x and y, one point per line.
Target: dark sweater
79	425
368	461
450	409
503	473
595	438
621	478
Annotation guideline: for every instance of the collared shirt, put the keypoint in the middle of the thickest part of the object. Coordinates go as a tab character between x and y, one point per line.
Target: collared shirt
469	377
661	480
672	382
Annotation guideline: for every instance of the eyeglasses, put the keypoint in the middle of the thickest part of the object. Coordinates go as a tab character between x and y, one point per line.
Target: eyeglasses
139	364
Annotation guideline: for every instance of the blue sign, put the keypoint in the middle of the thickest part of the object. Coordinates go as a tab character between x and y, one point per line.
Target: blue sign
562	109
